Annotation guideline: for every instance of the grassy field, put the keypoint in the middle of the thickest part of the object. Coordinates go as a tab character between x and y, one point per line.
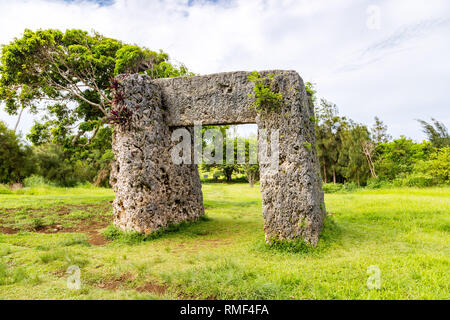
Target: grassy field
404	232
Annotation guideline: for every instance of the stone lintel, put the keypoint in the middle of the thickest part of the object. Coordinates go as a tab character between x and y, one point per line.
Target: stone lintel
214	99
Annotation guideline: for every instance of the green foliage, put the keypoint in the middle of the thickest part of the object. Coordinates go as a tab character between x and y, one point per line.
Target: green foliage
34	181
332	187
379	132
399	156
311	91
329	129
436	166
246	171
65	77
265	98
15	159
377	183
418	180
54	166
352	160
436	132
307	145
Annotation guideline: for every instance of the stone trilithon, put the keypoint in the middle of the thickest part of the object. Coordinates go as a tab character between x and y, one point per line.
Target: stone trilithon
152	192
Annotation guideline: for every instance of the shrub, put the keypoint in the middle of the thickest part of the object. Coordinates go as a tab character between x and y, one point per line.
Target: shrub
376	183
34	181
5	190
418	180
15	158
54	165
350	186
332	188
438	166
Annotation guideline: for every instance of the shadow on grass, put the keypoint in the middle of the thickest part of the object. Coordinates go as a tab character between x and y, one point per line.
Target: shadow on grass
330	234
132	237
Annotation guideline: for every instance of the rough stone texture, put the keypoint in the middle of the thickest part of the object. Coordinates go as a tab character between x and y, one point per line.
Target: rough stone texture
292	196
151	192
221	98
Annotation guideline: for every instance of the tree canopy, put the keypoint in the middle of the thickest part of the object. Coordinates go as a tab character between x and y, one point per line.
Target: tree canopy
66	75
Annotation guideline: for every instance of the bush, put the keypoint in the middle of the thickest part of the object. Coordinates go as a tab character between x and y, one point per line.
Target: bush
54	166
376	183
4	189
350	186
418	180
15	158
34	181
332	188
438	166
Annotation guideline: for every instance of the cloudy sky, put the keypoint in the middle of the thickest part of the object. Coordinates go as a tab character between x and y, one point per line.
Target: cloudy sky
381	58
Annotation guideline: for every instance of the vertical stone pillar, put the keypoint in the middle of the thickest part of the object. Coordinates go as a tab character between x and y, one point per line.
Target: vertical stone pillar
151	192
292	196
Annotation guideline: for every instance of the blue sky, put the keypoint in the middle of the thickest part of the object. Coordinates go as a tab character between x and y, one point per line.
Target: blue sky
370	57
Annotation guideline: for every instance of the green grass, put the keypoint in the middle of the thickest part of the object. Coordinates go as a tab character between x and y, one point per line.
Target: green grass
404	232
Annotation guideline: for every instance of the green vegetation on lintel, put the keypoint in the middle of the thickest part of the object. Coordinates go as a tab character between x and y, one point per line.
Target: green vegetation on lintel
265	98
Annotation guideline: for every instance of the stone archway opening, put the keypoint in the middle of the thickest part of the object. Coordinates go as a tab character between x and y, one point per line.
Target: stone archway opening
152	191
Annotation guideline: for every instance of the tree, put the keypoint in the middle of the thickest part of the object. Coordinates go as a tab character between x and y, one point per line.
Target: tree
16	161
328	138
379	132
66	75
227	169
352	159
250	168
398	157
436	132
251	172
368	149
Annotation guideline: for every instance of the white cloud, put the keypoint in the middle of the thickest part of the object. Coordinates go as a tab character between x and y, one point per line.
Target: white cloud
399	72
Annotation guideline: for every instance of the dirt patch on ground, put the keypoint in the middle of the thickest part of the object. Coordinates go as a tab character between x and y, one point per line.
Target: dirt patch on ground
6	230
152	287
123	282
115	283
60	273
90	227
92	230
97	239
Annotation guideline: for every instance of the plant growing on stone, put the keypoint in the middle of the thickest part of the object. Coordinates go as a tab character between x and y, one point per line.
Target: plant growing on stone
265	98
119	115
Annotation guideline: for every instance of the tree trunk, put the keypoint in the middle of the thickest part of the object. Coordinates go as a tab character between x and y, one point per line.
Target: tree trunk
324	173
18	120
334	176
251	180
